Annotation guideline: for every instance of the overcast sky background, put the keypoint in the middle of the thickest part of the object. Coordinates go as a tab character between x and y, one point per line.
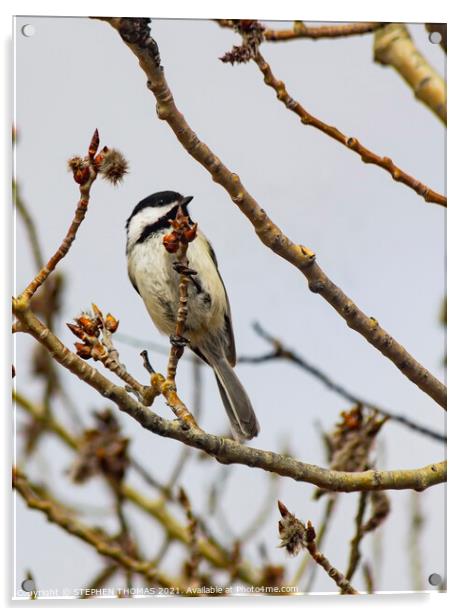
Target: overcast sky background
375	238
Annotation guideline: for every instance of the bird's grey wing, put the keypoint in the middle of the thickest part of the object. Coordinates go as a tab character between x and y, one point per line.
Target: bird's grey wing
230	349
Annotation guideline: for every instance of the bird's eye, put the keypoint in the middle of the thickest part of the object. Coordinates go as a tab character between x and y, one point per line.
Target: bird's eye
160	202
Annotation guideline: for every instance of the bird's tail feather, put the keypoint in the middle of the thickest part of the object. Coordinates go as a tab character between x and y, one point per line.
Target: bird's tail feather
239	409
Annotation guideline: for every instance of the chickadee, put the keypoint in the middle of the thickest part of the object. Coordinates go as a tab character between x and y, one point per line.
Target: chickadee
208	325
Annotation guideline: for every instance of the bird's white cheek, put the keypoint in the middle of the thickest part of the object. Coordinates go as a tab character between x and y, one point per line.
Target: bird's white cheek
142	219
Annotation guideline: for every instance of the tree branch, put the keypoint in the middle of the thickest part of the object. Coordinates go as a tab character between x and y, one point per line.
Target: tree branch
283	352
88	174
393	46
212	552
136	34
29	224
227	451
301	30
355	554
97	539
366	155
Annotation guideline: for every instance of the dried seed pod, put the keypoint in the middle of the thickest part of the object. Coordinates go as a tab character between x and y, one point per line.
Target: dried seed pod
112	165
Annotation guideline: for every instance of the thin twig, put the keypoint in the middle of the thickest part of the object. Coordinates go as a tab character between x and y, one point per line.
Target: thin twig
338	577
29	224
62	251
100	579
193	527
227	451
135	32
366	155
321	533
355	554
97	539
283	352
301	30
368	577
210	550
197	409
176	351
417	522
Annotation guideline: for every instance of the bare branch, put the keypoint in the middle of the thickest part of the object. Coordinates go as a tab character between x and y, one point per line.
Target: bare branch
281	351
210	550
393	46
136	34
301	30
366	155
252	36
177	241
224	450
355	554
29	224
85	171
97	539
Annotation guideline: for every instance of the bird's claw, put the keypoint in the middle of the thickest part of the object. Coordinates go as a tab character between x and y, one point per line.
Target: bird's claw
180	268
179	341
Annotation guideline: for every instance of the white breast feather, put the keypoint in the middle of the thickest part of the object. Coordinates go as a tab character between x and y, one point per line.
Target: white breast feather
151	268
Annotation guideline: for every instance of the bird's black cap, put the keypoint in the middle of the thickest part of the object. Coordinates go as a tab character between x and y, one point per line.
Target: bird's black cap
160	199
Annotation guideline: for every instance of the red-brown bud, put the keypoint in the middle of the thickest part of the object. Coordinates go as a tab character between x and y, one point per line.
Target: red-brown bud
77	331
100	156
83	350
310	533
88	324
80	169
190	233
171	242
94	144
81	176
283	510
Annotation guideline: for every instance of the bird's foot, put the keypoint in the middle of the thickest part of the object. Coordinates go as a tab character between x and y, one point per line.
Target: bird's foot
184	270
181	268
179	341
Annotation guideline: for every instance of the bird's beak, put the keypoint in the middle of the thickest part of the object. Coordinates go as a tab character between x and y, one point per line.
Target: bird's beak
185	200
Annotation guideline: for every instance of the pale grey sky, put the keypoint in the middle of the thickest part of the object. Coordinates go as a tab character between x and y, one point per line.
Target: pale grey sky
375	238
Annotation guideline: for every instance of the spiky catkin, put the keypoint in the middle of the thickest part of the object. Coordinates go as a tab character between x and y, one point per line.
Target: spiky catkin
112	165
291	530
